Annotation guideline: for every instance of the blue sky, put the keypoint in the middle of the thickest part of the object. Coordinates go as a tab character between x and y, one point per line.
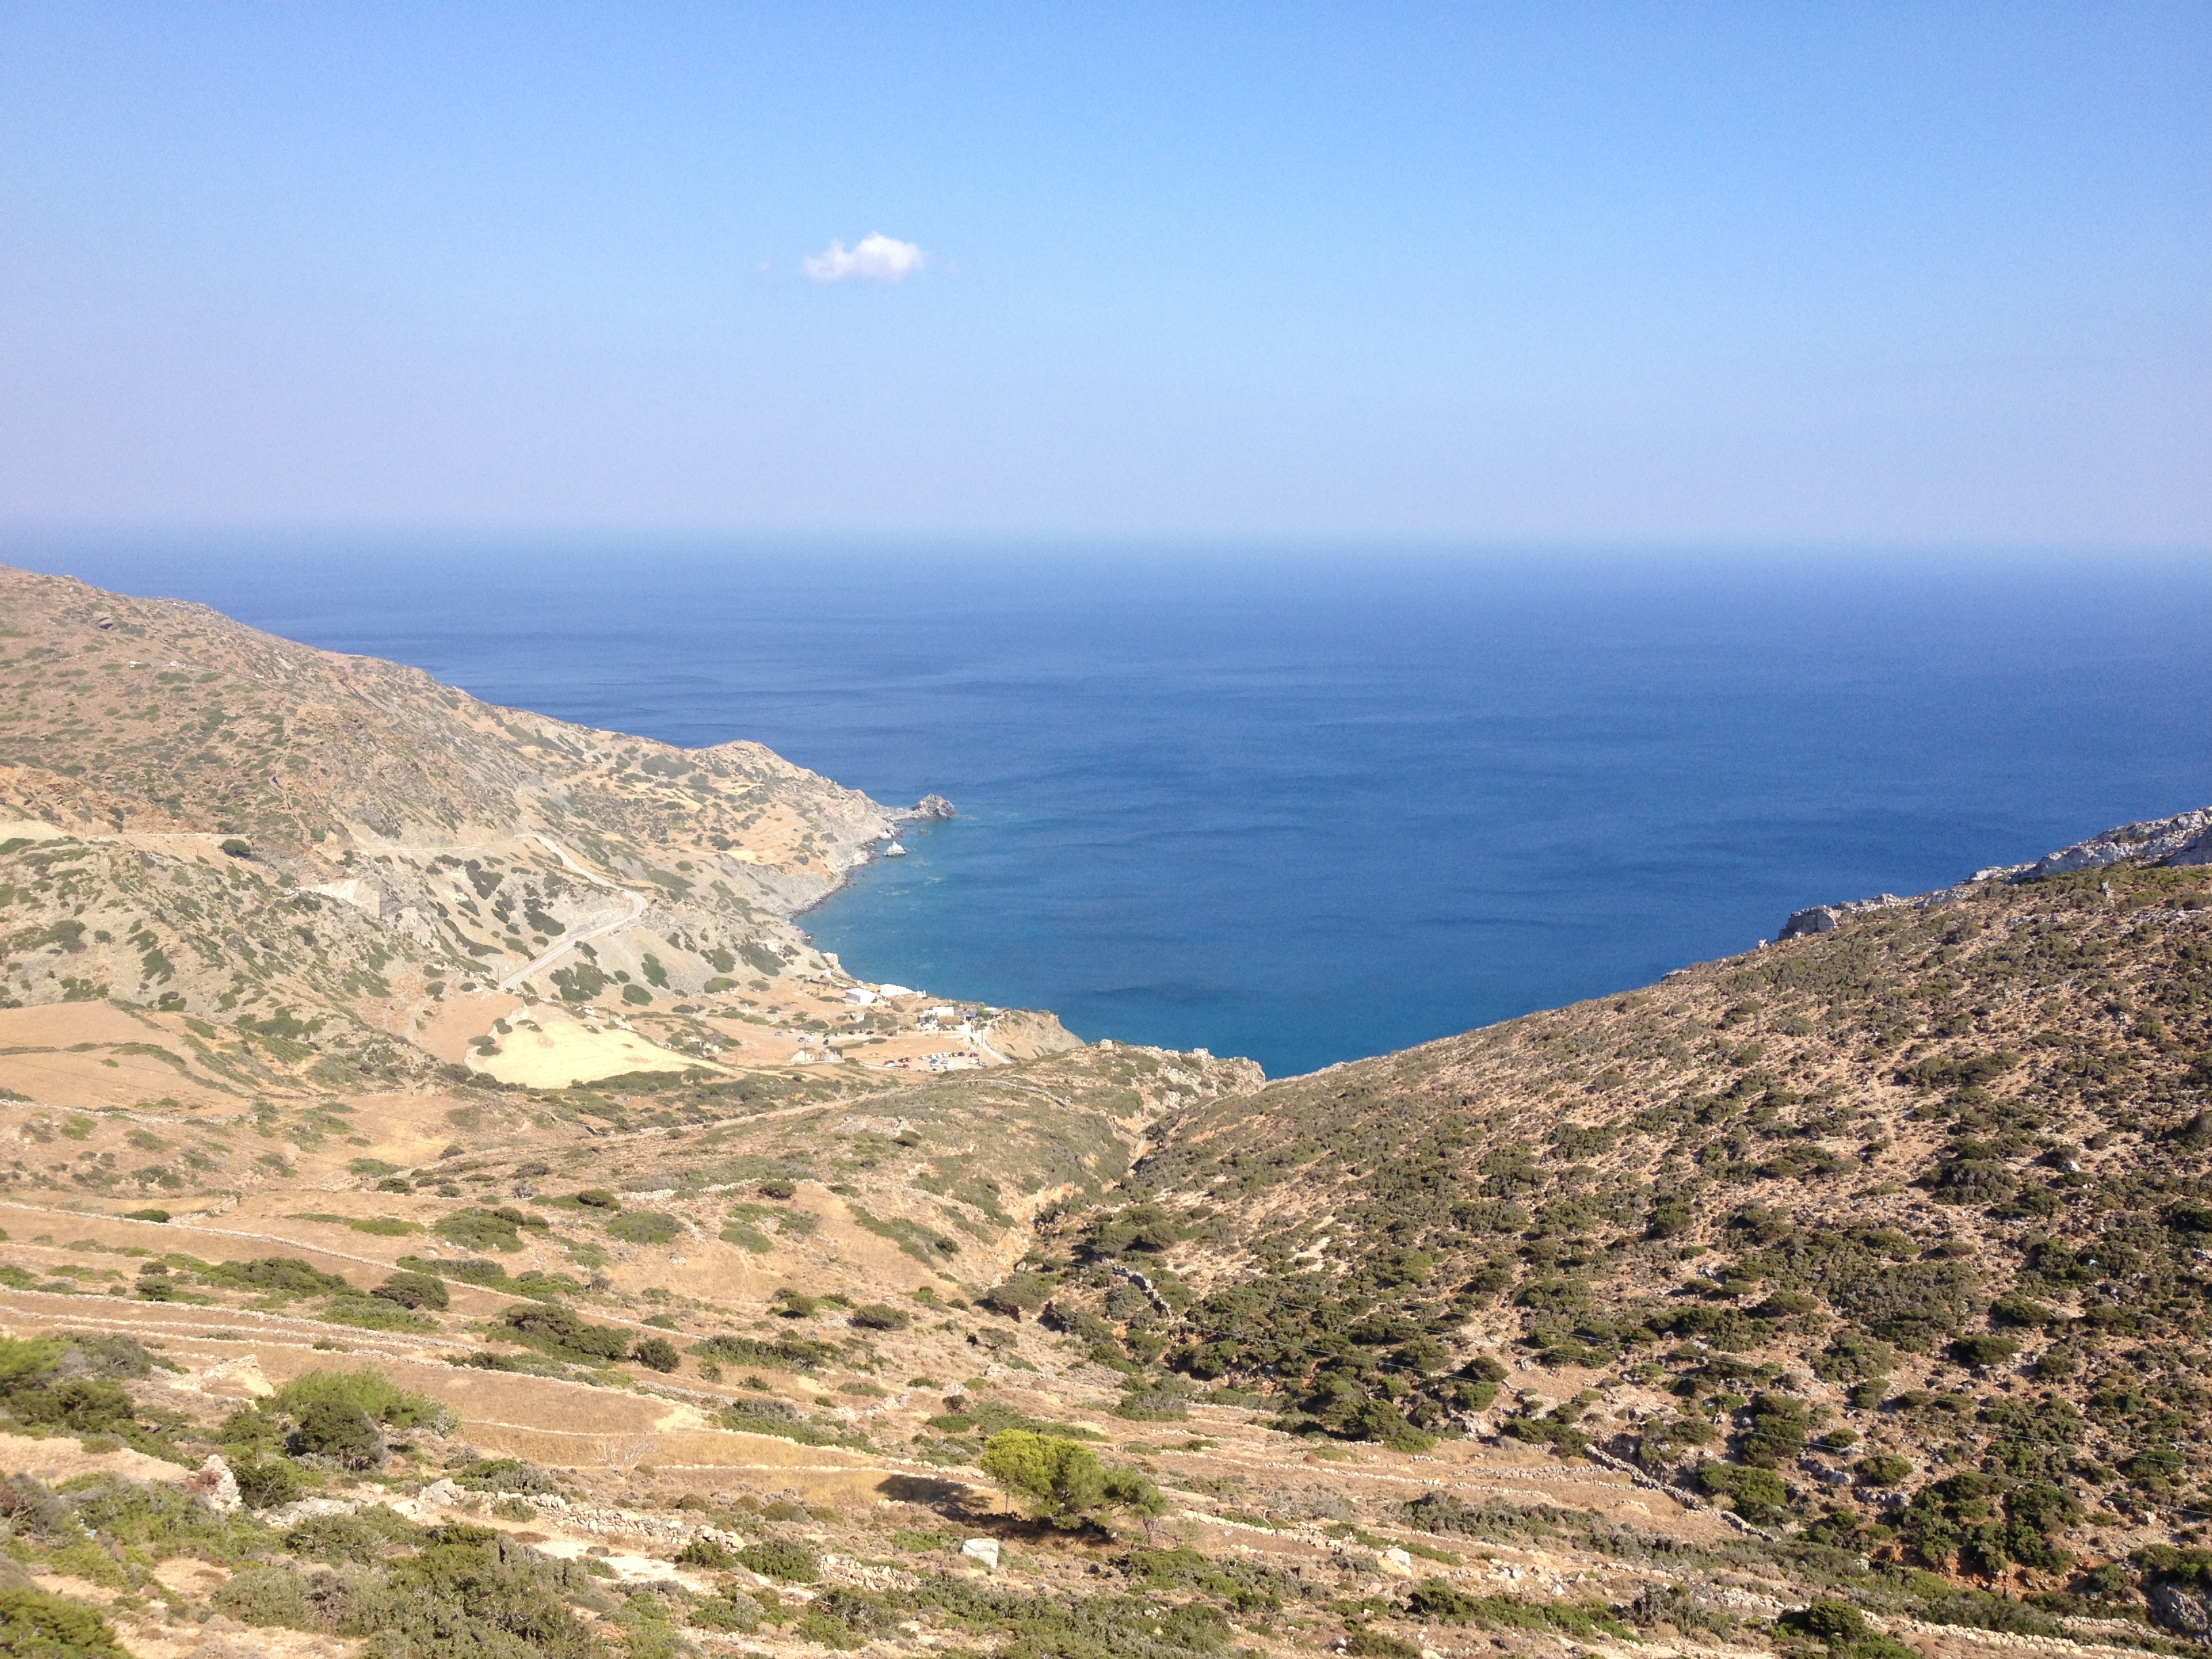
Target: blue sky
1887	275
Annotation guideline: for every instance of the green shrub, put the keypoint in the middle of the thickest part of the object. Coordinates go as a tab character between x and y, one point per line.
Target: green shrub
1757	1495
1365	1643
160	1520
785	1353
72	1382
1023	1293
1778	1425
706	1552
732	1611
470	1270
371	1313
498	1229
370	1392
644	1227
1979	1351
342	1433
467	1593
415	1291
1826	1621
268	1595
782	1557
266	1483
385	1226
657	1354
504	1474
278	1275
366	1536
1433	1598
556	1331
35	1625
1981	1610
1882	1469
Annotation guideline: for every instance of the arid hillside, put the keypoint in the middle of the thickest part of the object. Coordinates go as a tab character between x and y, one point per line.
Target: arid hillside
449	1211
319	870
1897	1234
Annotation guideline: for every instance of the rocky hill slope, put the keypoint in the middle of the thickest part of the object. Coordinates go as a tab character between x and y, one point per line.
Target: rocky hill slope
1843	1298
1899	1232
312	870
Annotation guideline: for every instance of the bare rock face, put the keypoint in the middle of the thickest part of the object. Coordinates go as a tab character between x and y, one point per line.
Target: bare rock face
2181	1603
933	806
2182	839
2186	838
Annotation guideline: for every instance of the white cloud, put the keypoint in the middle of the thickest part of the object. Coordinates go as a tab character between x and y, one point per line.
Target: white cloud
874	259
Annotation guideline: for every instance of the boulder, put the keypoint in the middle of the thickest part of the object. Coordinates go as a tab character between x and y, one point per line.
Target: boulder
1821	919
933	806
985	1550
2182	1605
213	1486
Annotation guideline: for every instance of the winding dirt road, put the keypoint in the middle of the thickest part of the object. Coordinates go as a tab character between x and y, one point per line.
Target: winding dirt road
596	931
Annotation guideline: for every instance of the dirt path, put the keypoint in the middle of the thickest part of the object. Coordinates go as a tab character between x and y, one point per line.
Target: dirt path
514	981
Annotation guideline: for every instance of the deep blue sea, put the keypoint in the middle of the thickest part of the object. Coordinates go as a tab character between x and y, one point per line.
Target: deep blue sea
1311	805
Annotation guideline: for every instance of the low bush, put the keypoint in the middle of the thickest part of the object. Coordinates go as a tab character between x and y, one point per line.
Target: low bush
277	1275
556	1331
1979	1351
344	1434
504	1474
35	1625
732	1611
468	1269
415	1291
362	1538
1760	1496
644	1227
498	1229
1433	1598
782	1557
372	1313
371	1393
266	1483
785	1353
657	1354
160	1520
467	1593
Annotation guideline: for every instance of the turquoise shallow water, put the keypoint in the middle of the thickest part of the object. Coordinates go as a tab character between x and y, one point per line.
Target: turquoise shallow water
1312	808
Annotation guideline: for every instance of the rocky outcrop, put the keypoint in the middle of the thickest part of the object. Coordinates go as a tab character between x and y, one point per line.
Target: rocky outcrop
933	806
2181	1603
213	1486
2182	839
2186	838
1823	918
